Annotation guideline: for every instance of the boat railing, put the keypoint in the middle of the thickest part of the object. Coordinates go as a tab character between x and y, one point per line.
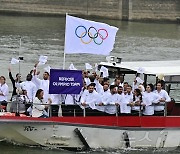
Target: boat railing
73	110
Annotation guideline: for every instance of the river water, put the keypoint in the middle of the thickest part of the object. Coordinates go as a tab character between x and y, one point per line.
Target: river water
135	41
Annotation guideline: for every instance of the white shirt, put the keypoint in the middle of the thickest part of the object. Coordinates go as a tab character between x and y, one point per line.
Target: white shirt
136	108
57	99
37	109
78	96
124	108
5	90
44	85
163	94
30	87
69	99
112	99
104	97
148	100
91	99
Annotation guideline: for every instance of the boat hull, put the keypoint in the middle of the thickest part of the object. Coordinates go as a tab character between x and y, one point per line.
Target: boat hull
57	134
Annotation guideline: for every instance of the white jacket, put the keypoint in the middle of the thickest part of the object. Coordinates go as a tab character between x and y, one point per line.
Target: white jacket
31	89
5	90
148	100
37	109
42	84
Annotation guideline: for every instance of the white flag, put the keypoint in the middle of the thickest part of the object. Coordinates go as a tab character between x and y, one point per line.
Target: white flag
139	80
14	61
42	60
85	36
88	66
71	67
105	72
96	67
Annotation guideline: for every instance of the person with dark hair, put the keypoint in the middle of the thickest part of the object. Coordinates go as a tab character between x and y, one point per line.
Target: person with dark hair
106	80
38	108
113	101
42	84
137	100
117	82
104	94
120	90
15	82
125	85
19	103
164	97
29	86
86	77
149	98
125	106
4	91
90	99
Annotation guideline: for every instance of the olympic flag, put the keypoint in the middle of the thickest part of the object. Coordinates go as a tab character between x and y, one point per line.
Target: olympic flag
85	36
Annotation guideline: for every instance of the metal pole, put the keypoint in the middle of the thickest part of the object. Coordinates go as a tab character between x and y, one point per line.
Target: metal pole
64	61
19	55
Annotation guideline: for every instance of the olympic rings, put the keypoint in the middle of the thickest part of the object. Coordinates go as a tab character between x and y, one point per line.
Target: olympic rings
88	35
98	36
84	32
102	29
95	36
96	41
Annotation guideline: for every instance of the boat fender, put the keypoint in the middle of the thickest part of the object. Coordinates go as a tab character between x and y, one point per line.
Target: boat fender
126	139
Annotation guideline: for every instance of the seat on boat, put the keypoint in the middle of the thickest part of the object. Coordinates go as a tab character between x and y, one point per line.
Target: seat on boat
173	109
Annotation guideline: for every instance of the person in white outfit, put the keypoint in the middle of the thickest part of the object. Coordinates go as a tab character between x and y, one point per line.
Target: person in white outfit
149	99
126	103
42	84
120	90
39	105
30	87
4	91
112	102
137	100
164	98
90	99
104	97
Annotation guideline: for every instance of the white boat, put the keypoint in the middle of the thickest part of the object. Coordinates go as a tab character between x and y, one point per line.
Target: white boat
114	132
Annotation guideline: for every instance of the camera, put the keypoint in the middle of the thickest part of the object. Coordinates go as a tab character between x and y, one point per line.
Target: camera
21	58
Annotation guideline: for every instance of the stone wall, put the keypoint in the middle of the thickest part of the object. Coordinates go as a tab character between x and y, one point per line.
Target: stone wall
102	8
114	9
154	9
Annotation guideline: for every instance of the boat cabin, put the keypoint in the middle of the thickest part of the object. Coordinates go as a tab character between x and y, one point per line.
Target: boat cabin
150	72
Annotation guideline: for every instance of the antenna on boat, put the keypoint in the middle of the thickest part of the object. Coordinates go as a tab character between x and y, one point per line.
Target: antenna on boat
64	59
19	55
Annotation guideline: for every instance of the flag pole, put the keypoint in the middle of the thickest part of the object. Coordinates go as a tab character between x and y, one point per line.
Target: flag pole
64	59
19	55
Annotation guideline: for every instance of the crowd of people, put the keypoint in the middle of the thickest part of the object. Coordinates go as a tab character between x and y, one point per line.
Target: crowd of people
97	97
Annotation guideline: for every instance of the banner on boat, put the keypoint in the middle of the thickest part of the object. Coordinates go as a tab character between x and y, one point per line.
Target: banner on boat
85	36
65	81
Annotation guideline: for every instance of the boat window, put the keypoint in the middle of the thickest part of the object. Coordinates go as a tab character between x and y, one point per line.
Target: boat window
174	91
